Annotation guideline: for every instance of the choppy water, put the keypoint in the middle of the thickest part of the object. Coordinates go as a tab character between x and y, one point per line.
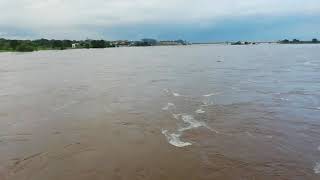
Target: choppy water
192	112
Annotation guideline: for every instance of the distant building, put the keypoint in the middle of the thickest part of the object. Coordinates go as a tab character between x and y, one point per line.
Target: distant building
120	43
168	43
75	45
237	43
173	43
150	42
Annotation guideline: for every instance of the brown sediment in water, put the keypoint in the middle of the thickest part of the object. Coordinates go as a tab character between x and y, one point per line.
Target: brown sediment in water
74	119
111	148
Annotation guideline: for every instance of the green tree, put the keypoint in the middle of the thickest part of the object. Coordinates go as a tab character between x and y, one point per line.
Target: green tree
295	41
236	43
98	44
25	48
57	44
14	44
286	41
67	43
42	43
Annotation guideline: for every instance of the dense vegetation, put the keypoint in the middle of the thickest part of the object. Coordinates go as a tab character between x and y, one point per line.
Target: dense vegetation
45	44
296	41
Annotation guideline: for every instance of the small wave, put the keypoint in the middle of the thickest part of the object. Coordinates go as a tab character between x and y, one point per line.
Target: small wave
269	136
207	103
209	95
176	94
283	70
252	81
174	139
212	94
168	106
176	116
200	111
159	80
66	105
317	168
166	90
249	134
193	123
308	63
170	92
239	89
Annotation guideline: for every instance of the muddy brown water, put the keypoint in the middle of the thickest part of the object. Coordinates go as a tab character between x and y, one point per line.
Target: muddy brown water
193	112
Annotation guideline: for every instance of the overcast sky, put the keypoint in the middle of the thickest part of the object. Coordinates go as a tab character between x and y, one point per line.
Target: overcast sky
194	20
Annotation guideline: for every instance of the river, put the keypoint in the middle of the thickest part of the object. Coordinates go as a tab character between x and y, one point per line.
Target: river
197	112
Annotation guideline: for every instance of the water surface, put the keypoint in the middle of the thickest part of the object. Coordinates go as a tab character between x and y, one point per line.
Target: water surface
189	112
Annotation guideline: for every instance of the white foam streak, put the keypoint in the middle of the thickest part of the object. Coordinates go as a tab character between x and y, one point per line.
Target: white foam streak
168	106
176	116
284	99
166	90
317	168
176	94
200	111
212	94
249	134
170	92
207	103
174	139
308	63
192	123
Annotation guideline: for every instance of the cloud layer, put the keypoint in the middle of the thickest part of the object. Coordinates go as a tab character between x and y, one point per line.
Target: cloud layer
59	18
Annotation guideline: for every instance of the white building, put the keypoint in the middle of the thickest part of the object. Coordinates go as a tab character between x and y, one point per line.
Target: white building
75	45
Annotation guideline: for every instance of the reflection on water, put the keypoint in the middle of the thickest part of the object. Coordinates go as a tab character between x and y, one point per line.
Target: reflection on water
194	112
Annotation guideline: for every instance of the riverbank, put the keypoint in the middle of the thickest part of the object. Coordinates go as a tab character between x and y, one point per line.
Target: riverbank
9	45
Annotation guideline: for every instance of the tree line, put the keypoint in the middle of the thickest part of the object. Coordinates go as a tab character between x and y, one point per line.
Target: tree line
45	44
296	41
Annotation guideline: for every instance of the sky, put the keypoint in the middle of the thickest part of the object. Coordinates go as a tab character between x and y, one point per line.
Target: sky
192	20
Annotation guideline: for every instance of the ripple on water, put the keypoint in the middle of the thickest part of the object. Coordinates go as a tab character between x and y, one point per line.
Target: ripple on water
211	94
317	168
308	63
176	94
206	103
200	111
192	123
170	92
176	116
168	106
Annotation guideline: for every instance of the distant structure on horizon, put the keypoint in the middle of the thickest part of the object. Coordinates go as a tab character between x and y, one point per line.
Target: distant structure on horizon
45	44
296	41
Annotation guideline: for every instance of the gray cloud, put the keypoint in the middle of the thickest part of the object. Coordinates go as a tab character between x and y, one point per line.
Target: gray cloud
57	16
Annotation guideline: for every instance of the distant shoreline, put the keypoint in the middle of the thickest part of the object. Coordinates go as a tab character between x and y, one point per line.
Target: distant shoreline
47	45
286	41
9	45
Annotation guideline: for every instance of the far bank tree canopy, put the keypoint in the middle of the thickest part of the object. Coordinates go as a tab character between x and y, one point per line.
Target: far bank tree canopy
296	41
45	44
